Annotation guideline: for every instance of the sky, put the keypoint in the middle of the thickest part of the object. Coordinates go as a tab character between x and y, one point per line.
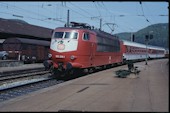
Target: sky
117	17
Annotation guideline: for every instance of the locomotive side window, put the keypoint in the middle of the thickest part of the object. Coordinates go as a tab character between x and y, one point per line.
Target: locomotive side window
86	36
105	44
116	45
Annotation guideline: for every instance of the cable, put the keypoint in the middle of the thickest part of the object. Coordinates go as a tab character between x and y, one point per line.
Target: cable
97	9
27	17
76	12
46	17
28	11
80	8
143	13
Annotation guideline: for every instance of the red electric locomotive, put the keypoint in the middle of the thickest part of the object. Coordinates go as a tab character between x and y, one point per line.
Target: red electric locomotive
80	47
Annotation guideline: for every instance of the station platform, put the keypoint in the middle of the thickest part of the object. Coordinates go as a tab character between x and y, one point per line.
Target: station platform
103	92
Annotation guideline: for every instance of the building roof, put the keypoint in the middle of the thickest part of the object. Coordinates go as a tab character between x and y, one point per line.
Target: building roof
10	27
15	40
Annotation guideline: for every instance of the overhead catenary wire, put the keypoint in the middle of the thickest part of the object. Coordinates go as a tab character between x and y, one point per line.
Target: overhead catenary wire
20	16
28	11
144	13
21	9
81	12
81	9
85	16
45	18
97	9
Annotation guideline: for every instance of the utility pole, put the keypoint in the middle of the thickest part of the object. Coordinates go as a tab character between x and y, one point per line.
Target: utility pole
68	16
147	38
132	37
100	24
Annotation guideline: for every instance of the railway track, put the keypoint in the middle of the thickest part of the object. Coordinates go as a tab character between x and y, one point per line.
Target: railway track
7	82
16	85
19	72
27	88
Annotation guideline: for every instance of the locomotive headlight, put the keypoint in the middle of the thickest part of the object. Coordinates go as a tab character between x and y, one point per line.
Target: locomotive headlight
49	55
72	57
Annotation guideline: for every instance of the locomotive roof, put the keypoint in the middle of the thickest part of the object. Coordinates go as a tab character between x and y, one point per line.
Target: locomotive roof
97	31
102	33
29	41
72	28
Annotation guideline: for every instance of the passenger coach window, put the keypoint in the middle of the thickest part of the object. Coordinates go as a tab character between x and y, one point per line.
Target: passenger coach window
86	36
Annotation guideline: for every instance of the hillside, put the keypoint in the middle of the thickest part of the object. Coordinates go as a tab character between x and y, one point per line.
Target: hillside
160	35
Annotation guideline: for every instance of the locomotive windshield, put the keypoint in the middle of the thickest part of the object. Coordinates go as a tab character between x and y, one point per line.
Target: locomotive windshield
65	35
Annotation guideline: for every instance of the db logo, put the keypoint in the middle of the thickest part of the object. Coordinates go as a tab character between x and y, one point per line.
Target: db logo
61	46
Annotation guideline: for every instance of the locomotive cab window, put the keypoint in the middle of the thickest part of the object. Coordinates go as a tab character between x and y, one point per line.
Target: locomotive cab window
86	36
65	35
74	35
58	34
